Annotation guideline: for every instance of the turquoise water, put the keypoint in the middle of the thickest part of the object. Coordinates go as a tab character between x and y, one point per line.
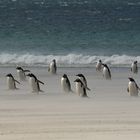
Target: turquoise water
72	31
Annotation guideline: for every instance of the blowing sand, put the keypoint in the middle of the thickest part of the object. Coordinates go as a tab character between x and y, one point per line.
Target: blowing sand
109	112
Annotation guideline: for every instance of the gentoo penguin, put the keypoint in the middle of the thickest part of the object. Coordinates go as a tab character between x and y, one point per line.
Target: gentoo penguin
83	79
21	73
132	87
106	72
65	83
52	67
34	83
99	66
134	67
11	82
80	88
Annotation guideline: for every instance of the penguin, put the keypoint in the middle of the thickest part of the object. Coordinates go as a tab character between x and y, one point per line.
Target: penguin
34	83
132	87
21	73
52	67
11	82
83	79
80	88
106	72
65	84
134	67
99	65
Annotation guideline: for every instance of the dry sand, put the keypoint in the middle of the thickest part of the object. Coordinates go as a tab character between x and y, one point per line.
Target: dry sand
109	112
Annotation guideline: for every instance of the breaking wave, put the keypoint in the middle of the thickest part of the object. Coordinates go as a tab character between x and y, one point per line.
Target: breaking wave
65	60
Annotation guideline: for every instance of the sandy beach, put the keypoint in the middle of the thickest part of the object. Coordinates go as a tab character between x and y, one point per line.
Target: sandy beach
109	112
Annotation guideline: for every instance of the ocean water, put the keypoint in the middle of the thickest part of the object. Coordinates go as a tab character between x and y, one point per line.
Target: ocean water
74	32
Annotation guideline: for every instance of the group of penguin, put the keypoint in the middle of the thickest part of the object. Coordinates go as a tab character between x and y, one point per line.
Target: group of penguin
33	81
132	88
80	82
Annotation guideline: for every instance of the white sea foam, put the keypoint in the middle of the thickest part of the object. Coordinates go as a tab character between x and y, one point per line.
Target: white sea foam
65	60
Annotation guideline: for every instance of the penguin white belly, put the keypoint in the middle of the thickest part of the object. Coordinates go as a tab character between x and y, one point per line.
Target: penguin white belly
82	92
79	89
33	85
52	68
133	89
99	66
21	75
64	85
106	73
134	68
10	83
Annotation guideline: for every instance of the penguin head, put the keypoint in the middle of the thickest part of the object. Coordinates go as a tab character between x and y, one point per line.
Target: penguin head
9	75
29	74
80	75
135	62
100	61
54	60
78	80
64	76
131	79
19	68
32	76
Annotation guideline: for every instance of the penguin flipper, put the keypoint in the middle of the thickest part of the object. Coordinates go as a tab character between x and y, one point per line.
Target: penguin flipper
40	82
17	81
85	94
55	68
49	69
127	89
26	70
109	74
136	69
137	87
88	88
